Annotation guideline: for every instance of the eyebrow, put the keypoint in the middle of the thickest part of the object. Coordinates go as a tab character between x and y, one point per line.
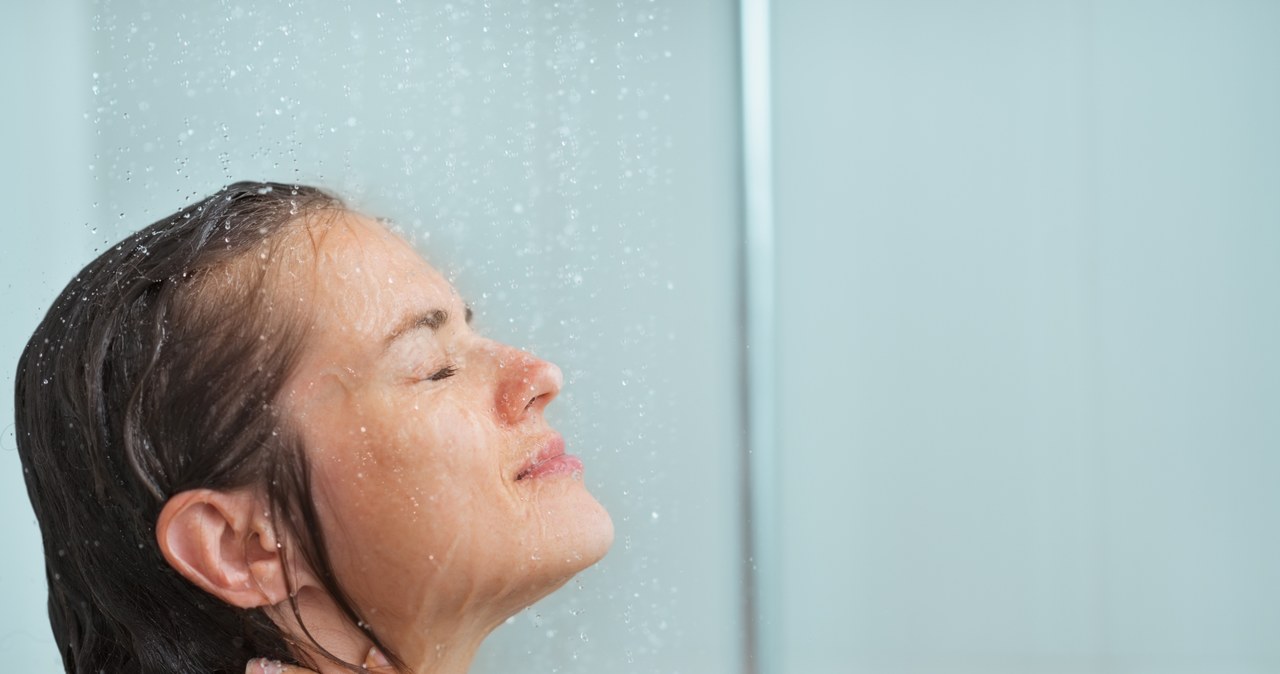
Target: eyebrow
433	320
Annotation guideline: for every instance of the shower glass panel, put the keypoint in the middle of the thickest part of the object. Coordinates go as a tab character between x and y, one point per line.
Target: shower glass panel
570	165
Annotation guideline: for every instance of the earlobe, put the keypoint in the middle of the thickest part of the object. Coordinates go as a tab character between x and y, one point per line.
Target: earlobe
224	544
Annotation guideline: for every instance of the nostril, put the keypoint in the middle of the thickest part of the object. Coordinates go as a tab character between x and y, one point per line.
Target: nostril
534	400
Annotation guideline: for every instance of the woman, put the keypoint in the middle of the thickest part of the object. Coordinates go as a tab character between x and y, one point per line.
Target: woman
263	427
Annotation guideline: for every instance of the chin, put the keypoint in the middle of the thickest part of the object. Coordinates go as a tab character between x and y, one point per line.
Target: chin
577	532
597	535
588	531
591	550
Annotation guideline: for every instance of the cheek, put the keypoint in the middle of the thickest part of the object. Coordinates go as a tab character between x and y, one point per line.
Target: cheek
437	442
399	464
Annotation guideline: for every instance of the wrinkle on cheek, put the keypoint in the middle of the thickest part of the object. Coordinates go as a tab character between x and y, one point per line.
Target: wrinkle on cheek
317	397
338	384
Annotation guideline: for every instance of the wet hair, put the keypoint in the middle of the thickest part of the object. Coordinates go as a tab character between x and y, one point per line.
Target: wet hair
155	371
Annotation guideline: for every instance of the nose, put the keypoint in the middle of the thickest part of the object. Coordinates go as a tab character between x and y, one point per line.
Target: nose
526	384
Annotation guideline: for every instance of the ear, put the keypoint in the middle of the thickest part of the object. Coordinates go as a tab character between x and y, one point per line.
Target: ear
224	543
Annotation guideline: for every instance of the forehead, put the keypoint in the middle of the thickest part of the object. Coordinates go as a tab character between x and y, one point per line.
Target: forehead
366	278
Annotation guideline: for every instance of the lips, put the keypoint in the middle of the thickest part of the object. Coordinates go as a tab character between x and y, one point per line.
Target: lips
550	460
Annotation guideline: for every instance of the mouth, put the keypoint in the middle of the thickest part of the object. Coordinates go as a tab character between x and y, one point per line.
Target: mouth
550	460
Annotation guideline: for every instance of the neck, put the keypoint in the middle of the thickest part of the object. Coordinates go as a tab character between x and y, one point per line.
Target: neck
444	647
445	655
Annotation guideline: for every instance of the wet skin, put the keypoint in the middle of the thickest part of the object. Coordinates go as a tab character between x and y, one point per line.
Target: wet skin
445	508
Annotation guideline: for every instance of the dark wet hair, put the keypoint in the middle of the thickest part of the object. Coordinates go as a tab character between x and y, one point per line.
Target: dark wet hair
155	371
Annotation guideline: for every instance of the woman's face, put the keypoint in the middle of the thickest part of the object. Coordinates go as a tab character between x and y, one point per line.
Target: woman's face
444	493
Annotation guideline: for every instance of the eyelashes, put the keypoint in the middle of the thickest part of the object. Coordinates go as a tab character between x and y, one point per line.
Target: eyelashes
443	373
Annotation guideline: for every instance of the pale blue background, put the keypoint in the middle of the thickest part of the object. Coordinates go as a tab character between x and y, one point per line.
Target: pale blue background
1028	262
1029	276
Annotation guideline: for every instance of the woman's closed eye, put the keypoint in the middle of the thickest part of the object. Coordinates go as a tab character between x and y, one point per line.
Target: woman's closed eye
443	373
